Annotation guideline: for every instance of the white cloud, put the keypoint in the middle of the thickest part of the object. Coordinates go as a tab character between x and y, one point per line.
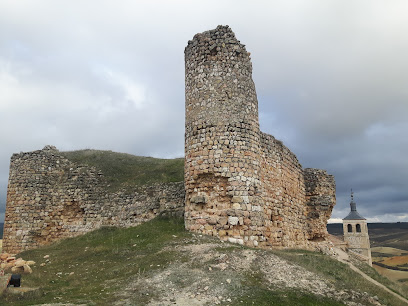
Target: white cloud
132	93
335	220
388	218
331	81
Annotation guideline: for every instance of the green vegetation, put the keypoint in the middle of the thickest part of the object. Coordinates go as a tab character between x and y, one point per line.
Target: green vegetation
257	293
147	262
391	237
89	268
380	255
261	296
129	171
341	275
382	279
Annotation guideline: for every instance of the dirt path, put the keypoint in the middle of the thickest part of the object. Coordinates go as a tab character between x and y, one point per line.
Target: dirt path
343	257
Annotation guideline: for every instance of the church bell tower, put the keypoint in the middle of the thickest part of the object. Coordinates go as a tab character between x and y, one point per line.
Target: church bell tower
356	233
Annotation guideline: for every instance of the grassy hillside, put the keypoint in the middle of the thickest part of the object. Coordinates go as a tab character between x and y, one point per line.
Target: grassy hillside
389	251
160	262
125	170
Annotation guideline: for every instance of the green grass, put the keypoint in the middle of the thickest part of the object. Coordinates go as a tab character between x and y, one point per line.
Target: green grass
129	171
96	268
262	296
102	262
382	279
379	254
340	275
256	292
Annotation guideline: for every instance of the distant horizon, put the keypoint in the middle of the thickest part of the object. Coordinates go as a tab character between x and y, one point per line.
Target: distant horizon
376	222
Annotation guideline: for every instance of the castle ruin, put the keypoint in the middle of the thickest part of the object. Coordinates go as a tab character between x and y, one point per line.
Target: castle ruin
240	184
49	198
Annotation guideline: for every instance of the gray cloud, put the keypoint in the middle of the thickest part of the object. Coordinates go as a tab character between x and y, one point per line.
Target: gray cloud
331	80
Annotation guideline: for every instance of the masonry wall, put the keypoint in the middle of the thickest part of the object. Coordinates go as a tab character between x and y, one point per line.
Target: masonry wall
241	184
320	200
222	133
284	194
50	198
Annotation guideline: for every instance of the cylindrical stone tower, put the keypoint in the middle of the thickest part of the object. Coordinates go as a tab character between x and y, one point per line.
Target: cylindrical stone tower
222	139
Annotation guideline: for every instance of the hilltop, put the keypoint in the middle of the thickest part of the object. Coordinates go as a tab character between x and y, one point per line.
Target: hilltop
159	263
129	171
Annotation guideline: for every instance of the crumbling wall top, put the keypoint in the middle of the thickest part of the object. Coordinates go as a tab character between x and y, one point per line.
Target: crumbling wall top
219	44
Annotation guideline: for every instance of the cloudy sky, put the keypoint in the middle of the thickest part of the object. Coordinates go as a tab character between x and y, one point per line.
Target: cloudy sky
331	78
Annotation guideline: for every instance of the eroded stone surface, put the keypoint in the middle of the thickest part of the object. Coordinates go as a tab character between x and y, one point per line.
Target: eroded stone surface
256	191
241	185
50	198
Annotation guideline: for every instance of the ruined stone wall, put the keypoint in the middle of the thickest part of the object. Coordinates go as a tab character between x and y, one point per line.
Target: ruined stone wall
50	198
320	200
284	194
241	184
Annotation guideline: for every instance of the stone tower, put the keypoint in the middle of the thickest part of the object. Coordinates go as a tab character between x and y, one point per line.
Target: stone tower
356	233
222	129
241	184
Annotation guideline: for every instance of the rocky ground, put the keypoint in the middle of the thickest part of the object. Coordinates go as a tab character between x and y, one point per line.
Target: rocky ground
213	274
159	263
11	264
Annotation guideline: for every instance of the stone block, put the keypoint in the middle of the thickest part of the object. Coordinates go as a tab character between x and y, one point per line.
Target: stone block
233	220
236	206
237	199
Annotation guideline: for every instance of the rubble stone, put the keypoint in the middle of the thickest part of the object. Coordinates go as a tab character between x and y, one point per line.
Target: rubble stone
241	184
243	173
50	198
10	263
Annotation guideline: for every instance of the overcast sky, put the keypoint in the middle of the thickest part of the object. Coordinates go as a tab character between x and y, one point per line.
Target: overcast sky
331	79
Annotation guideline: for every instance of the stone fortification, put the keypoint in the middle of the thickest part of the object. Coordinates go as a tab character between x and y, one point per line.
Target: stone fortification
241	184
320	200
50	198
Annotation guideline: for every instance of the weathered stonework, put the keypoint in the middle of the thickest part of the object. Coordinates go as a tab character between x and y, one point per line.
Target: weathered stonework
50	198
320	200
241	184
